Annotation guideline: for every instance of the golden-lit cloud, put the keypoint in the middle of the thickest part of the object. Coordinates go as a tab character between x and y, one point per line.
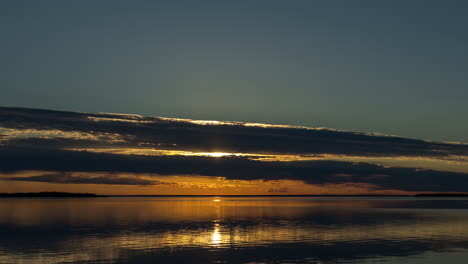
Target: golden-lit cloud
449	163
18	134
119	153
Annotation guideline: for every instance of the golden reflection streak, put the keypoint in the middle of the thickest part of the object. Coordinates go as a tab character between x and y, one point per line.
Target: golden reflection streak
25	213
216	236
264	234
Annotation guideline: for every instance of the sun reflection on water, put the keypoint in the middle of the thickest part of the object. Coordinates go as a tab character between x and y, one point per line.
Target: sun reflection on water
216	235
101	229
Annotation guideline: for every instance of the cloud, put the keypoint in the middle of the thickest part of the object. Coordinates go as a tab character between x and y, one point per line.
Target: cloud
44	140
68	178
237	168
185	134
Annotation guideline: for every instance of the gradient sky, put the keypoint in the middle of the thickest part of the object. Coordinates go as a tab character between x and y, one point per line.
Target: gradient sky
395	67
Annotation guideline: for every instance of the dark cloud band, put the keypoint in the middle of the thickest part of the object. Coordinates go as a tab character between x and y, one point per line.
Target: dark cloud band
34	151
180	134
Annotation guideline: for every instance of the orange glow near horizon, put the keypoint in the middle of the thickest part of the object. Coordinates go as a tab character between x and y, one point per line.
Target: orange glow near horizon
188	185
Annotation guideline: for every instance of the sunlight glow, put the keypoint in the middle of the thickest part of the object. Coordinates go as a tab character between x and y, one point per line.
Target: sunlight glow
454	163
216	236
216	154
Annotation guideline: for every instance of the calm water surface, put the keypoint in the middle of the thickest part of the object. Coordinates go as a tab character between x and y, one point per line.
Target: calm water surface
233	230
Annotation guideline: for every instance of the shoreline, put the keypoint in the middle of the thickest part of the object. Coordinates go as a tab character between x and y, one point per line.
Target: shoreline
92	195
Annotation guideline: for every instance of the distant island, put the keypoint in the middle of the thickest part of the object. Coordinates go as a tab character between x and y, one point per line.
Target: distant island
47	195
442	195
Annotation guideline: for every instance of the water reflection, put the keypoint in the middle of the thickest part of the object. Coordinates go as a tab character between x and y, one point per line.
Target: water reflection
230	230
216	236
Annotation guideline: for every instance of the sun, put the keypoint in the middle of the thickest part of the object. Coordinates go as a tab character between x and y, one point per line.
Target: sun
217	154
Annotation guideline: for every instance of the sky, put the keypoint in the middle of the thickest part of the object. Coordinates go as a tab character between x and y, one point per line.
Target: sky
393	67
234	97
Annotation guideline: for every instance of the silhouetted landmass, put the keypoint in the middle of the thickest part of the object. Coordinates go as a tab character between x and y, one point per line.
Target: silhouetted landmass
442	195
66	194
48	194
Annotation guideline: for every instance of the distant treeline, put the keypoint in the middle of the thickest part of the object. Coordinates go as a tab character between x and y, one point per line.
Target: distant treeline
49	194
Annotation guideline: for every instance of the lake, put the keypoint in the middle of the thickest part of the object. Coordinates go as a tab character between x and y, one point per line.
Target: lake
234	230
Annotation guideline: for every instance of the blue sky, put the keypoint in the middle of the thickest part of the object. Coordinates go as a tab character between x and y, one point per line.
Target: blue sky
395	67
